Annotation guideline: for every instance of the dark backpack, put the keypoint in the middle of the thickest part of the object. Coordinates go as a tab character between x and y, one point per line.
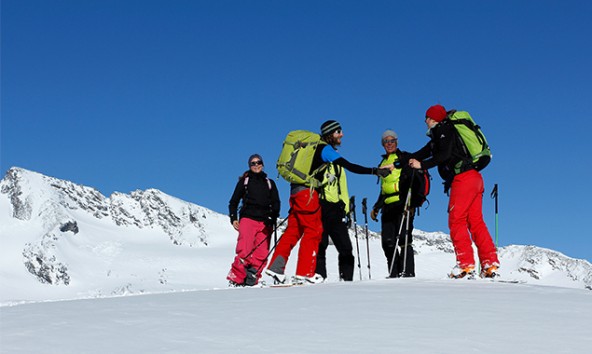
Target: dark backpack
420	183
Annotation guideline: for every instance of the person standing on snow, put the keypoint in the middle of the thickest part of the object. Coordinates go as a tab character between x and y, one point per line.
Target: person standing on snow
304	218
391	201
258	214
465	214
334	200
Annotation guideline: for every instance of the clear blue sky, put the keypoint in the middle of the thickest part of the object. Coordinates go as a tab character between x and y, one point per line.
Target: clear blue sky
175	95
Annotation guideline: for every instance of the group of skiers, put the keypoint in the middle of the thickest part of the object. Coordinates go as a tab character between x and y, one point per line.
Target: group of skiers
318	210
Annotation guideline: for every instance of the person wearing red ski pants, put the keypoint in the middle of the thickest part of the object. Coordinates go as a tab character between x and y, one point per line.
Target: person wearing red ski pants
304	225
465	219
252	247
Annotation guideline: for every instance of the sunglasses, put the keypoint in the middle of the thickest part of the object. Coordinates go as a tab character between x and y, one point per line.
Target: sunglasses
389	141
256	163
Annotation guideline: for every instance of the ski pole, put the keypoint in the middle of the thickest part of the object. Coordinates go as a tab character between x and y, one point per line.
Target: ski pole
494	195
407	218
352	210
407	205
271	250
265	239
365	212
275	232
397	244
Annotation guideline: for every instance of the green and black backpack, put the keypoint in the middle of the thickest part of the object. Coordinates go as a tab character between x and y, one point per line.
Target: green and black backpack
476	151
296	158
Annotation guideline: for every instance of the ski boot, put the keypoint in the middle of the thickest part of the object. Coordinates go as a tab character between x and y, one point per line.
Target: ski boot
462	272
489	272
302	280
277	277
233	284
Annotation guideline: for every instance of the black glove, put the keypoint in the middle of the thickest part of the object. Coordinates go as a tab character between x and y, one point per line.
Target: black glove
374	214
382	172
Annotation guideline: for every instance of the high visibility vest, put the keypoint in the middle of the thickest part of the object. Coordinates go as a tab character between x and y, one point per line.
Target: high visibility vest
335	185
390	184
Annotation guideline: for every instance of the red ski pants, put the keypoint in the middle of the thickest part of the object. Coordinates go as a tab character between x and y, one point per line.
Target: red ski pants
304	225
465	219
252	247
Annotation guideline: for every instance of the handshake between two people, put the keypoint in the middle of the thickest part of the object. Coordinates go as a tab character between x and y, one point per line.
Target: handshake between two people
384	171
413	163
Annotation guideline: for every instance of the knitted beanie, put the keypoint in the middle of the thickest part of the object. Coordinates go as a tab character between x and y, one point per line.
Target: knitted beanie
329	127
388	133
437	113
254	156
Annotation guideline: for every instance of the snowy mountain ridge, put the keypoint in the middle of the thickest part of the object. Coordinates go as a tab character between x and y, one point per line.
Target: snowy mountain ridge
67	240
150	208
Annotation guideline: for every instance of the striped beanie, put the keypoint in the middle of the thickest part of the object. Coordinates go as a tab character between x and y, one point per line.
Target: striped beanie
329	127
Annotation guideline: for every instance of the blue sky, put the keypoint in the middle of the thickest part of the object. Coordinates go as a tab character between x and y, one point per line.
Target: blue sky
175	95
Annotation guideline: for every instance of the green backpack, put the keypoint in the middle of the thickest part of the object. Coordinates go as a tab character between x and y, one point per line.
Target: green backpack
477	154
296	158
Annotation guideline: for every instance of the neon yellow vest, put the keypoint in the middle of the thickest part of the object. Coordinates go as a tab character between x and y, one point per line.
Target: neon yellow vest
390	184
335	185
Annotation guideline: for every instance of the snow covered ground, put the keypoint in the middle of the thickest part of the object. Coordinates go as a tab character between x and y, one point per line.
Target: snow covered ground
376	316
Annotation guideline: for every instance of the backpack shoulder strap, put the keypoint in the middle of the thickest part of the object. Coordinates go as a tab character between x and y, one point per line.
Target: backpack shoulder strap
268	183
246	183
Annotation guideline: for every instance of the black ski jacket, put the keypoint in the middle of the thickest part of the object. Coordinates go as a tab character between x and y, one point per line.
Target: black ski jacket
260	198
443	150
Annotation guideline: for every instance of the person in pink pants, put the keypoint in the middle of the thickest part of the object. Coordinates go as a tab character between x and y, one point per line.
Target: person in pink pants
255	222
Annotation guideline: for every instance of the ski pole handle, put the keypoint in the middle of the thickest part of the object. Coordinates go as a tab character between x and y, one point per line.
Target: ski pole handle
352	206
365	209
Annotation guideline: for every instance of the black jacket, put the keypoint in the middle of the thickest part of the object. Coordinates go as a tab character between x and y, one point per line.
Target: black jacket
259	201
443	150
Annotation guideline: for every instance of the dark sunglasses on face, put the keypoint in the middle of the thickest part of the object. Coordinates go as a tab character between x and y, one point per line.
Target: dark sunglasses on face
255	163
389	141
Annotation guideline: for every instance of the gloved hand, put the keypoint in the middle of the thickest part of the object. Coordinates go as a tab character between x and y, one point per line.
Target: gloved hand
374	214
383	172
348	221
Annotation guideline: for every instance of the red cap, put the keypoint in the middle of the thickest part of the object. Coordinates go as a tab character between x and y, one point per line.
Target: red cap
437	113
